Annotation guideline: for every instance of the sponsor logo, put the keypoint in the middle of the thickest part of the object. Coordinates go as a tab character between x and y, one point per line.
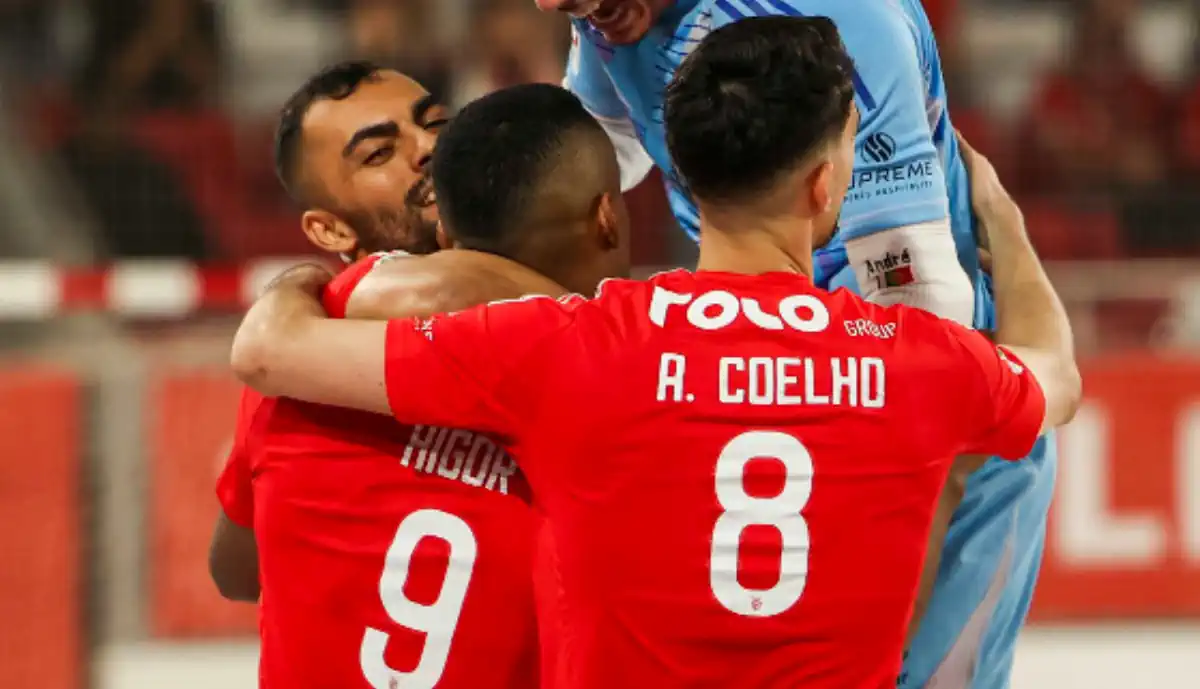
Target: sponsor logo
883	171
861	327
879	147
719	309
892	270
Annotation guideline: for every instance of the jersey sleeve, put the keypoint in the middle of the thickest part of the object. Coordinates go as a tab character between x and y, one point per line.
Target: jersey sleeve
898	179
587	78
989	396
484	368
234	486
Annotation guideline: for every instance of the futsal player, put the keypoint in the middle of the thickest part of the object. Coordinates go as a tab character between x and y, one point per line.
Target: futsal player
401	556
894	246
737	468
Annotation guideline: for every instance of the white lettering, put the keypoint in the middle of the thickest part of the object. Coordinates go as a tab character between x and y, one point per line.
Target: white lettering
451	461
727	310
873	382
480	455
502	469
662	300
862	327
422	440
718	309
762	380
1087	532
818	315
670	377
810	385
784	379
459	455
724	393
776	381
757	316
845	382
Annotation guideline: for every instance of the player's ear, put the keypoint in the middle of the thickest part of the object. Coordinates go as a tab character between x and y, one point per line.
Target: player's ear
608	221
443	239
327	232
820	185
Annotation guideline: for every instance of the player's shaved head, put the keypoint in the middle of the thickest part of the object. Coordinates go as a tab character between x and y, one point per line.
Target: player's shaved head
761	114
528	173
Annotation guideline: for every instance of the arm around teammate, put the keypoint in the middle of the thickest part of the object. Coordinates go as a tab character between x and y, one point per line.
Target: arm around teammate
1032	322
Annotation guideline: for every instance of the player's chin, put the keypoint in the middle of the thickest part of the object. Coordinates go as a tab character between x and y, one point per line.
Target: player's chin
627	24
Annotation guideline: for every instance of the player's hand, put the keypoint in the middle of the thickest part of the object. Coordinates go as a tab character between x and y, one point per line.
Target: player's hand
309	278
993	206
985	260
288	301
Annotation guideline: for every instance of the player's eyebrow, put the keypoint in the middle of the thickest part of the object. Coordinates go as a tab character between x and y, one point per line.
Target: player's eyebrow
421	108
381	130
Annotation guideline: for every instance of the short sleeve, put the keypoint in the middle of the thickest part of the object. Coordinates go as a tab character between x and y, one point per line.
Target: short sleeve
235	489
485	368
898	179
999	403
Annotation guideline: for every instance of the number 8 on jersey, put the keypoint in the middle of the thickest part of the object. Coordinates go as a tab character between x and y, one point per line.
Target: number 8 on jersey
741	510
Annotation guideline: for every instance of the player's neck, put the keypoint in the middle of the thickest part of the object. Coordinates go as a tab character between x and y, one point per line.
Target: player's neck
752	246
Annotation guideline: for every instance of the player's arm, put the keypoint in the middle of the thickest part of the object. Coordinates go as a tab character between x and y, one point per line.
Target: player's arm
587	79
475	369
233	560
1031	320
948	501
895	221
287	347
448	281
233	551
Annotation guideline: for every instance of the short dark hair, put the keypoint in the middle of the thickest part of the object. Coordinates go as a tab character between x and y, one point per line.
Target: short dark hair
493	159
335	82
753	100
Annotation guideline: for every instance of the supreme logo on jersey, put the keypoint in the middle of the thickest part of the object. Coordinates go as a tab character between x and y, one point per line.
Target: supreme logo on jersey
892	270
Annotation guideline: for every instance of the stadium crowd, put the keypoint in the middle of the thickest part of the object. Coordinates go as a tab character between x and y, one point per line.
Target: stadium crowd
158	113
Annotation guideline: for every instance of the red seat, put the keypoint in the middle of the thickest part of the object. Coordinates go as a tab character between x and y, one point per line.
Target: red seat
1061	233
1129	323
1188	145
202	148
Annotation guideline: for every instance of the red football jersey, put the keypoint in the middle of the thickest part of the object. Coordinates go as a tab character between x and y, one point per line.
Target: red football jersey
738	473
391	556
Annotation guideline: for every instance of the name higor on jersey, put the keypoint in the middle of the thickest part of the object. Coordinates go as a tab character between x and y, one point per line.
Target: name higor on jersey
770	380
459	455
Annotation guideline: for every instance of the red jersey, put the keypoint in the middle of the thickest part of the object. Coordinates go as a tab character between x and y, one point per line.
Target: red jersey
391	556
737	473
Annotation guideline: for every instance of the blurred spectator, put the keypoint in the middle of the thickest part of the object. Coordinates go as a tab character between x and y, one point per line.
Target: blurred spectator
1095	122
151	149
151	54
401	34
140	205
511	43
143	56
1188	144
25	45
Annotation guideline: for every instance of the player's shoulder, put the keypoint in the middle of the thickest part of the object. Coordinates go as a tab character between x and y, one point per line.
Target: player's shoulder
336	295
